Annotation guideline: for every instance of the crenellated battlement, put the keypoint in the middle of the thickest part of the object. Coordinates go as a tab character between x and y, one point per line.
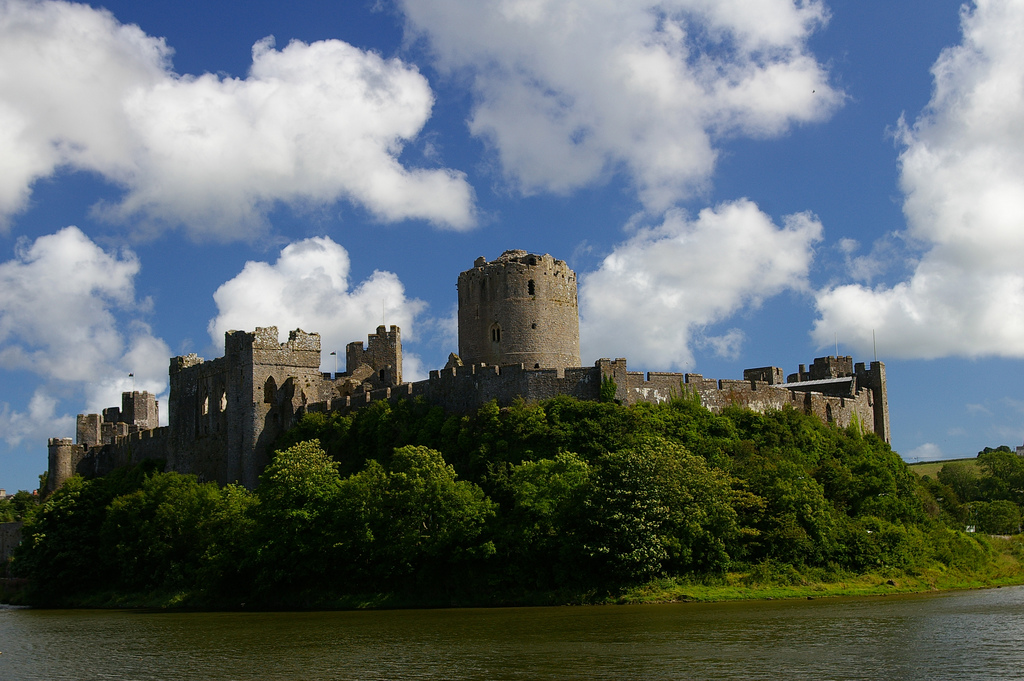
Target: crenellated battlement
382	356
519	309
518	340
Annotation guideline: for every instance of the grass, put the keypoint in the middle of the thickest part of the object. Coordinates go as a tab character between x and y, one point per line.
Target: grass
1005	569
931	468
735	587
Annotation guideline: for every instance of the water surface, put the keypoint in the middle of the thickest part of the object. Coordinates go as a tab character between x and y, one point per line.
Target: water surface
963	635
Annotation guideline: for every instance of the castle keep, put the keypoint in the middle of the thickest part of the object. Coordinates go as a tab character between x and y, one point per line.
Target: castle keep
519	309
518	338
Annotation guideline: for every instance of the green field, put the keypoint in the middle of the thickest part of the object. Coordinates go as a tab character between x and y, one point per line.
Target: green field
931	468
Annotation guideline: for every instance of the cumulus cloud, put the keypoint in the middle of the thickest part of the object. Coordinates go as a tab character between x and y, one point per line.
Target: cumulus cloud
310	124
663	285
58	299
569	92
63	301
929	451
308	288
39	422
962	173
728	345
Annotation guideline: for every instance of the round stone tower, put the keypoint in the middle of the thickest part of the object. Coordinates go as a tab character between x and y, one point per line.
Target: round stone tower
519	309
61	462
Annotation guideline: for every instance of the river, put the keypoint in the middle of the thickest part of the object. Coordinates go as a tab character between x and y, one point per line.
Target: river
961	635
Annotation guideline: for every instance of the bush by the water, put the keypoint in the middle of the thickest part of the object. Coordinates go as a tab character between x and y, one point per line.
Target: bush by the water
533	503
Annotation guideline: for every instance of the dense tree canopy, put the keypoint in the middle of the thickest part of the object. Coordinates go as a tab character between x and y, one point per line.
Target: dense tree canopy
559	497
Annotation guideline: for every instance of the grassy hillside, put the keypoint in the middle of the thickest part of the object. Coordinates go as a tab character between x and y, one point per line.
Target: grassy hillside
932	468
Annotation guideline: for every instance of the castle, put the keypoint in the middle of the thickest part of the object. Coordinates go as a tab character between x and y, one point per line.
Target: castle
518	324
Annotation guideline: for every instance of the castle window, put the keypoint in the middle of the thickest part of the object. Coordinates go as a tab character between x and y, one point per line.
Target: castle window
269	390
828	413
530	288
533	326
223	401
495	334
206	405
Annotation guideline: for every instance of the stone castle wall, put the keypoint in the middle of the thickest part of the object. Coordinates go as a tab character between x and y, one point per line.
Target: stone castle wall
382	355
519	309
519	339
466	388
225	413
10	537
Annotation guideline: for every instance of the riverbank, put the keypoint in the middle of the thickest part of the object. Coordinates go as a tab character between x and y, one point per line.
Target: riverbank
734	588
763	582
782	581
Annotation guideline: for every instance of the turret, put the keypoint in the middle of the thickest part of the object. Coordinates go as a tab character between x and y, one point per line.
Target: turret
519	309
62	457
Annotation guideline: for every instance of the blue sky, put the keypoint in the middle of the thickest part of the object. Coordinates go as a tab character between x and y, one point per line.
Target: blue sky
738	183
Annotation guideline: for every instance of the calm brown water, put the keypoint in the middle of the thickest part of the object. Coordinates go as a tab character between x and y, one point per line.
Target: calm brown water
967	635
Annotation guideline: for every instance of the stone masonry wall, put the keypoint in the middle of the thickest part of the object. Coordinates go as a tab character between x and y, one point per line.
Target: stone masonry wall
10	537
283	377
226	413
203	395
383	354
519	309
466	388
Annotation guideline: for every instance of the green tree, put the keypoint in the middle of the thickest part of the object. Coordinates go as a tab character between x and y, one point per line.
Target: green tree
996	517
1005	479
413	519
175	533
62	549
656	508
796	523
961	478
294	542
540	544
20	506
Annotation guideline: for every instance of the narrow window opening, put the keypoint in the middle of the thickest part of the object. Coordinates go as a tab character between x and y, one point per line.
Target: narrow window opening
269	390
537	365
533	326
206	406
530	288
495	334
828	413
223	401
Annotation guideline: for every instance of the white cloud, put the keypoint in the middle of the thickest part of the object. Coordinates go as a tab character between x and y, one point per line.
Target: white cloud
57	302
311	124
962	172
568	92
659	288
308	288
60	301
39	422
728	345
929	451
